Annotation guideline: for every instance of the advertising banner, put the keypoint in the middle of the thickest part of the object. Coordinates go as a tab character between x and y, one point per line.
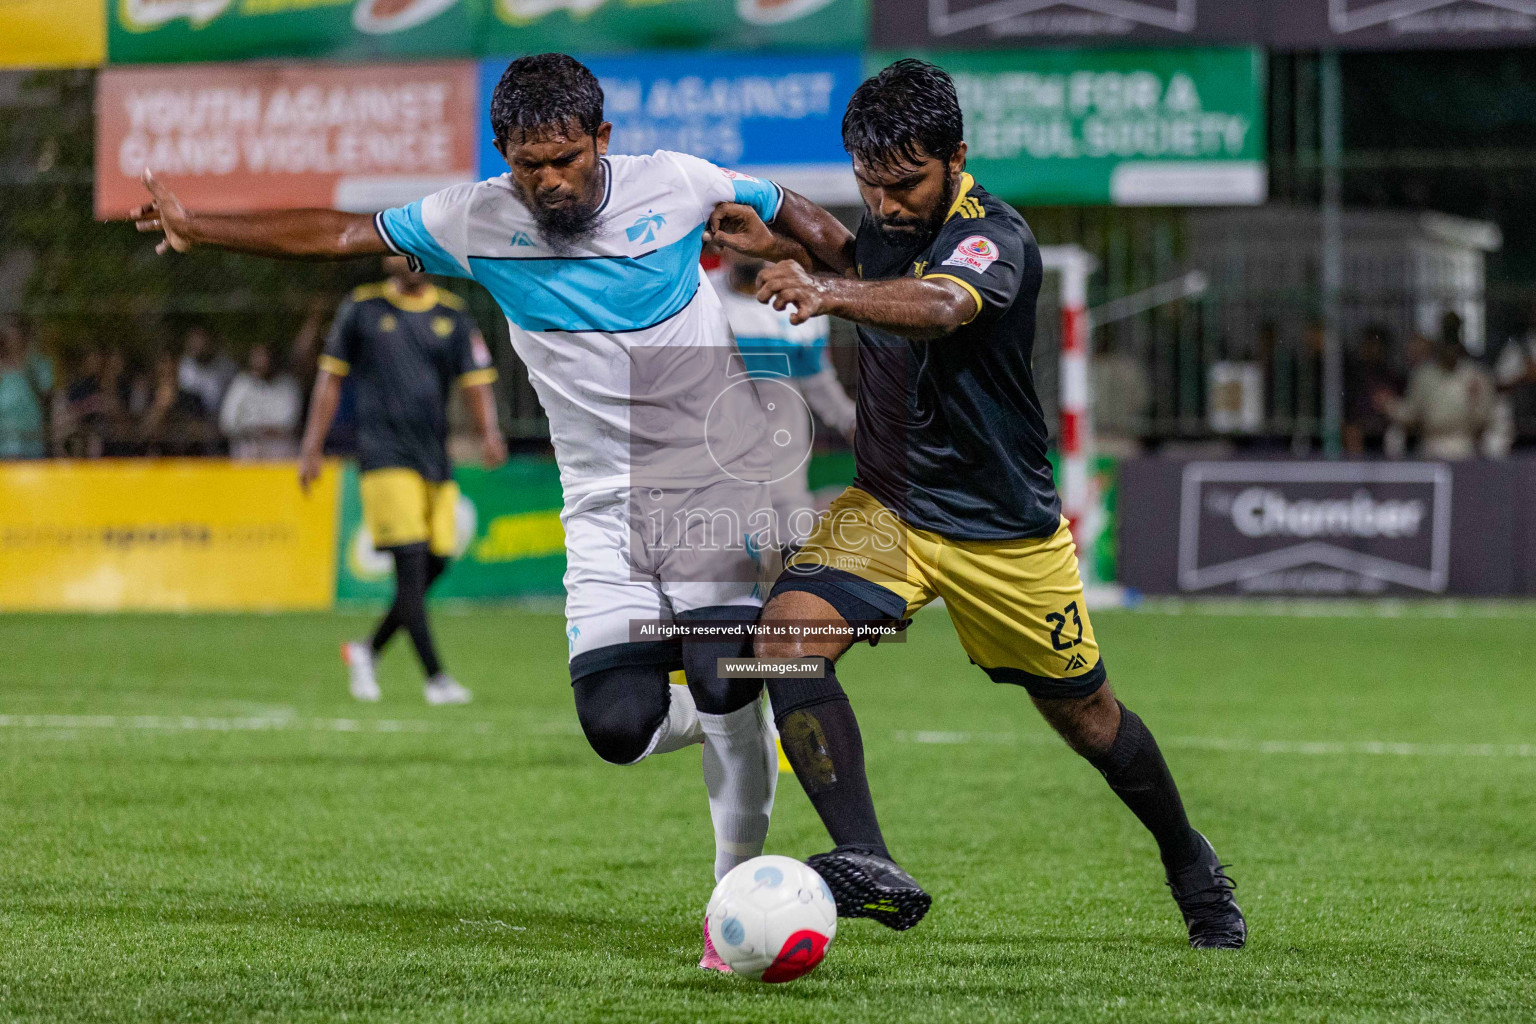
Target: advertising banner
153	31
182	535
584	26
1326	528
1171	127
511	543
52	33
995	23
770	116
236	137
1401	24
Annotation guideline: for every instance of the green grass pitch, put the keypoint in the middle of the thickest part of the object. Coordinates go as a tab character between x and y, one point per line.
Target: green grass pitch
198	825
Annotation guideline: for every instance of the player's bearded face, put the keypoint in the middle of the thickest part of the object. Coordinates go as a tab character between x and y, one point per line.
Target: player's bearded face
559	177
907	202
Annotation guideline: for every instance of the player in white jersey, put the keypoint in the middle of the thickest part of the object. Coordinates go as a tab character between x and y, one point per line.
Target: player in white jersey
791	361
658	433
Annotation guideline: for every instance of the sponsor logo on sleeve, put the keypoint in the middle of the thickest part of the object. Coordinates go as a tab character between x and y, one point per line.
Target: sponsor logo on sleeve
977	252
738	176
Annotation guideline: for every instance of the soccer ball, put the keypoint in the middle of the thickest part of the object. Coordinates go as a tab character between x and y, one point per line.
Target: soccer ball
772	919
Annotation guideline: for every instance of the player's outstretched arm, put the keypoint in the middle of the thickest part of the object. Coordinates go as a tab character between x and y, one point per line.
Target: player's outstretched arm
292	234
802	231
922	310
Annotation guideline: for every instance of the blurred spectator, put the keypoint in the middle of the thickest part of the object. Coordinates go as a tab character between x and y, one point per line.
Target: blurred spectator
260	416
26	379
1370	386
204	371
1516	375
1449	404
177	422
89	416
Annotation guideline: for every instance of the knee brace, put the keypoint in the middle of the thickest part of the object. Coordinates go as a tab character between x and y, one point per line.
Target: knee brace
621	708
713	694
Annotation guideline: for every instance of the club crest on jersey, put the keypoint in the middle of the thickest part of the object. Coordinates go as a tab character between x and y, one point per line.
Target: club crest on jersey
976	252
644	229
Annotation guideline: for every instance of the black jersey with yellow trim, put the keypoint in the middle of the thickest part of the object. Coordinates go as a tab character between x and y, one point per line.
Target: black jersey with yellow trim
951	436
405	352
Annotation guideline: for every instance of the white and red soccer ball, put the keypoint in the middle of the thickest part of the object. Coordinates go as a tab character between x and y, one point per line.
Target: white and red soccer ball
772	919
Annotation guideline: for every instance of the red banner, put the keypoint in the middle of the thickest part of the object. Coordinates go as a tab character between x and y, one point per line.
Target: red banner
230	137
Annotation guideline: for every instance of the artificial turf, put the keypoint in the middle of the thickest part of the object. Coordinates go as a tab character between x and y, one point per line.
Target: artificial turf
197	824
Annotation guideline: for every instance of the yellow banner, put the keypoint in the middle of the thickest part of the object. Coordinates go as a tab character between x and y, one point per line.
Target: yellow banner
177	534
53	33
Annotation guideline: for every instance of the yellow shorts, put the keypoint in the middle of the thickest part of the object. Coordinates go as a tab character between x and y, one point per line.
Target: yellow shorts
1017	605
400	508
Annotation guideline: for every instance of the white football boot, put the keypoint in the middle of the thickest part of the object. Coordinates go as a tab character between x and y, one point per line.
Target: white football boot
358	657
444	689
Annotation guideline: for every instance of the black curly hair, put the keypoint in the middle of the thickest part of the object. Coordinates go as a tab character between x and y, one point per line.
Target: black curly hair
904	114
545	91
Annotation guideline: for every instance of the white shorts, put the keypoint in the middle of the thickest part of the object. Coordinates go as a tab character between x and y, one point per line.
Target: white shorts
659	555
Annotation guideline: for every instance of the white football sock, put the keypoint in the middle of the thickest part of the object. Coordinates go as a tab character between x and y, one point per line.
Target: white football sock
680	728
741	770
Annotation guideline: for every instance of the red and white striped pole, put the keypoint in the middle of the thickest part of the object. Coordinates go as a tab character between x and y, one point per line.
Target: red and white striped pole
1076	427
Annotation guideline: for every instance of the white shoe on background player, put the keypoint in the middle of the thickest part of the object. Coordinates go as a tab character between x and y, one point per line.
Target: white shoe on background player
358	658
444	689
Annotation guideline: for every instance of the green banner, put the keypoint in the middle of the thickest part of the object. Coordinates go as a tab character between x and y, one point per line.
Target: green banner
510	539
153	31
585	26
1175	127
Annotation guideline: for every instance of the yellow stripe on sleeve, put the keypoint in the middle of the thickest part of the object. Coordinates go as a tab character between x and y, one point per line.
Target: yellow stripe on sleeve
963	284
473	377
339	367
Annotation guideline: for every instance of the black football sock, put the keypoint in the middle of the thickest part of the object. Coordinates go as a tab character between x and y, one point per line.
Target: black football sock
413	574
1134	768
822	742
390	623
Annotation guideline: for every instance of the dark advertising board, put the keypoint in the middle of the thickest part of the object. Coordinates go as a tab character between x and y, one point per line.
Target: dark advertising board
1400	24
1326	528
977	23
1285	24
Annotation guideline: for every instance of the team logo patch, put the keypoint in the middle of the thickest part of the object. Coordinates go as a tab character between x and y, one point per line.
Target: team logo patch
645	229
976	252
737	175
442	326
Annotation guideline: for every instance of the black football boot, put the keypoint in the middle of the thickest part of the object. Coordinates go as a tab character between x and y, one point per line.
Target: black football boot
866	885
1204	895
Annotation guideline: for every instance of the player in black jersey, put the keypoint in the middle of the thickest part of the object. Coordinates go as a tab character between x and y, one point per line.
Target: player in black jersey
405	343
953	497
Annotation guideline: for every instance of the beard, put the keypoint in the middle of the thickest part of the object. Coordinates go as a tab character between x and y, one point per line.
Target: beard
903	233
565	227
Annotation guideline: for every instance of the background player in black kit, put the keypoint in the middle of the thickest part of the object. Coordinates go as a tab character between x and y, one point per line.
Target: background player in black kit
954	495
405	343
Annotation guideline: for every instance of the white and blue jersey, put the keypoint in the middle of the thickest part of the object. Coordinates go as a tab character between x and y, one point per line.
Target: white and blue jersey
579	319
628	349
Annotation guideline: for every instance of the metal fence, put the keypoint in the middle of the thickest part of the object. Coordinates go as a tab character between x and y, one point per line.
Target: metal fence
93	288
